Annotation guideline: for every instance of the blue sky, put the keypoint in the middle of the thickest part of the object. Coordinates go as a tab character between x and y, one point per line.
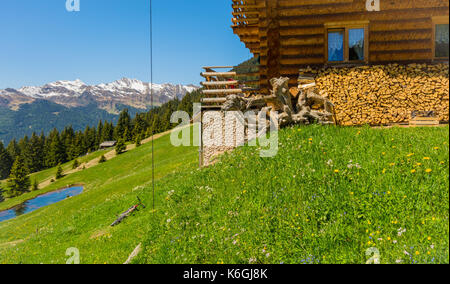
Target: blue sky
41	42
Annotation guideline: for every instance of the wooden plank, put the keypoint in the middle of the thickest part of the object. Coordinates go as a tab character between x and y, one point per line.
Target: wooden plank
219	83
222	91
218	74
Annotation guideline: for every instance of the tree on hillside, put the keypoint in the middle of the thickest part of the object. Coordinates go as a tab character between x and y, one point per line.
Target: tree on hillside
138	140
102	159
123	125
35	152
59	172
5	162
56	152
18	182
75	164
13	149
120	147
35	186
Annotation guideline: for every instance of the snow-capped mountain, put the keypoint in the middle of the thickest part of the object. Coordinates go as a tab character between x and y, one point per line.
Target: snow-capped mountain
130	92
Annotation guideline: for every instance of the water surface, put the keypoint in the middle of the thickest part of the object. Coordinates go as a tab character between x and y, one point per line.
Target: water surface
39	202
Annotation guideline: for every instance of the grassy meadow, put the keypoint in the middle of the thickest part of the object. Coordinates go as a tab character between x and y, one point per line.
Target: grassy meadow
327	197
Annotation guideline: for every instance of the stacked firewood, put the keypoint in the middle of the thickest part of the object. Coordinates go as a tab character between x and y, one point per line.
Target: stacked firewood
384	94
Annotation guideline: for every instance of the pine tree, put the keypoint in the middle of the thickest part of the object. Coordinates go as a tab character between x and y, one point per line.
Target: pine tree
102	159
59	172
18	182
57	152
13	149
5	162
123	124
120	147
35	185
138	140
36	153
75	164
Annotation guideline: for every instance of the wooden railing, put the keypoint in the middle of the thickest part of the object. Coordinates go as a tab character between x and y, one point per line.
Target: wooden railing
229	81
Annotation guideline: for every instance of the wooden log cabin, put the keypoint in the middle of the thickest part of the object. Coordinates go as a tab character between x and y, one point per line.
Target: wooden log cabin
288	35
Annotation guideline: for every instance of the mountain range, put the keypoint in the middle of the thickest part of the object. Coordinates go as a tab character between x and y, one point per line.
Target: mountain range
58	104
129	92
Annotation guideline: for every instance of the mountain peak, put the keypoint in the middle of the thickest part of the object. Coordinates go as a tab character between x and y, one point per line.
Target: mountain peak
125	91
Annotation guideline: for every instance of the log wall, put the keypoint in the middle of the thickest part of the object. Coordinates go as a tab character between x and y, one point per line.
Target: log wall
401	32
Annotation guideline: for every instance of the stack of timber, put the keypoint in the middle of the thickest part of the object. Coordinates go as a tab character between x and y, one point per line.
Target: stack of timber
218	86
384	94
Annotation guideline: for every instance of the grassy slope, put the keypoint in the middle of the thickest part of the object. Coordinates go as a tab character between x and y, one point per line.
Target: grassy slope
304	205
308	204
83	221
43	176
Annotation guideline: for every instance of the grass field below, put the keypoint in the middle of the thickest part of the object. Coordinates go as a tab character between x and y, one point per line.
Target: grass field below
330	195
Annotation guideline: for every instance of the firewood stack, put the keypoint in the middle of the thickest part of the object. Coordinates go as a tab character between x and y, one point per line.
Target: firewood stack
384	94
302	105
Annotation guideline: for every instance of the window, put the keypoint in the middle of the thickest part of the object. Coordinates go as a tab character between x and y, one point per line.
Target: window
336	45
347	42
441	41
356	44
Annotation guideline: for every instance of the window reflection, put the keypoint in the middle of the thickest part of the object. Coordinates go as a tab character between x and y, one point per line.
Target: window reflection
336	45
441	42
356	44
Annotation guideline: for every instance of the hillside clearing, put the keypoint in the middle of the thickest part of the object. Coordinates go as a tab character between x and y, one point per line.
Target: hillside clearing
328	196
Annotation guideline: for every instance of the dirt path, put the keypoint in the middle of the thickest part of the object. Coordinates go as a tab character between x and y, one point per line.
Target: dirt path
109	155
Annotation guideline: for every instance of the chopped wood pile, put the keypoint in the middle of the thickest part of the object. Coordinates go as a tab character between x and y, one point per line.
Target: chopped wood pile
302	105
384	94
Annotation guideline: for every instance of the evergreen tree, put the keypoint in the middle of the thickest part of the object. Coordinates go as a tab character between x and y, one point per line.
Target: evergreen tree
13	149
138	140
59	172
35	185
57	152
99	135
123	126
18	182
102	159
120	147
5	162
35	152
75	164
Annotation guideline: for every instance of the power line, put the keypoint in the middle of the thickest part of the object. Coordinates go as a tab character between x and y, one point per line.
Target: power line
151	104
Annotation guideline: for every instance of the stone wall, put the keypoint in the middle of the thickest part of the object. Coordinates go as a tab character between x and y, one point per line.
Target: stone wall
384	94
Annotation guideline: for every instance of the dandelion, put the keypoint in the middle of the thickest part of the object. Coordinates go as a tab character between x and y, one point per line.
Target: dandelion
388	238
384	171
392	164
429	238
434	218
413	171
427	158
410	155
428	170
417	253
418	164
336	171
352	193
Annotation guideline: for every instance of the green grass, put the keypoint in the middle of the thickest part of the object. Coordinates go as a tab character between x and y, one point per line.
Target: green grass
43	176
83	221
324	200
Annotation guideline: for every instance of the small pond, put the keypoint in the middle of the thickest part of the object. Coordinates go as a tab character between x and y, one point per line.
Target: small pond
39	202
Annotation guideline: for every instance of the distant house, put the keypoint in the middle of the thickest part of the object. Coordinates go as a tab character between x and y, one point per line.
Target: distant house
107	144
